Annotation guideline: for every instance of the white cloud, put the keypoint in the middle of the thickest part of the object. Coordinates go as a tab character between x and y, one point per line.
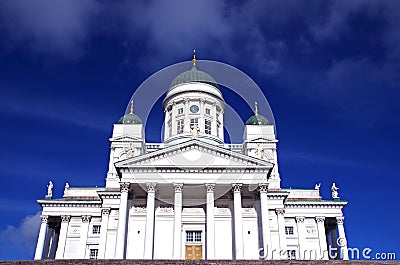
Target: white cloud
22	237
52	27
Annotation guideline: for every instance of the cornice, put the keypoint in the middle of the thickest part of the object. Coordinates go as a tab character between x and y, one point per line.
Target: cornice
315	204
70	203
193	169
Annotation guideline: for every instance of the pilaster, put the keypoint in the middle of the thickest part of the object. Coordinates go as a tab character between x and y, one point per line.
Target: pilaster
237	209
210	221
177	221
149	236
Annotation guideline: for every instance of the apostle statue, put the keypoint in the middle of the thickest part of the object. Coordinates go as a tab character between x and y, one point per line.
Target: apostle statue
66	188
130	151
195	132
260	151
50	189
335	193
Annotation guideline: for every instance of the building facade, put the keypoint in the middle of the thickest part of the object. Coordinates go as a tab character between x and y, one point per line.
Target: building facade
193	196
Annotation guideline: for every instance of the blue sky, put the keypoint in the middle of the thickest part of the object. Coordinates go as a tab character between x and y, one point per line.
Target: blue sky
329	69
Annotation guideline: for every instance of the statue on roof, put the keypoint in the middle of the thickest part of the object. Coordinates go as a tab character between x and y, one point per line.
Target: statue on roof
195	132
335	193
130	151
66	188
260	151
317	186
50	189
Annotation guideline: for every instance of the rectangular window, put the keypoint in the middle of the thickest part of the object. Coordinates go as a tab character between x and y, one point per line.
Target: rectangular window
194	122
289	230
207	127
180	111
96	230
93	253
218	126
193	236
291	254
179	126
208	111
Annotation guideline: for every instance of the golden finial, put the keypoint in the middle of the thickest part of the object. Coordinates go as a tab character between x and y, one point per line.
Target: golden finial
255	108
131	111
194	58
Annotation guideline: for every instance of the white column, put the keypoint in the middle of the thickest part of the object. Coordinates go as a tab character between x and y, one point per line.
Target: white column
121	232
177	220
323	253
166	118
237	209
335	248
186	127
174	112
202	119
301	230
63	236
54	241
265	221
83	236
49	238
342	242
42	237
282	235
210	221
105	214
214	120
148	245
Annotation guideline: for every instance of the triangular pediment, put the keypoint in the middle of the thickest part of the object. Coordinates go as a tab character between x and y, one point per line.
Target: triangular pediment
262	140
194	154
125	138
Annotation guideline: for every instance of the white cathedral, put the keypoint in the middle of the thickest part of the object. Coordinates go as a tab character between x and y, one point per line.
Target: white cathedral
193	196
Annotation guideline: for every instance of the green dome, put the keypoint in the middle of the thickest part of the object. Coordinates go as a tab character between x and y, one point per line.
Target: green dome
257	120
130	118
194	75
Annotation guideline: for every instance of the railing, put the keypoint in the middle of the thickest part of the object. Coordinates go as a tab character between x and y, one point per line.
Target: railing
151	147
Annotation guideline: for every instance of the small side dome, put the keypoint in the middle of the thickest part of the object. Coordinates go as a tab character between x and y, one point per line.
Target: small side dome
130	118
257	119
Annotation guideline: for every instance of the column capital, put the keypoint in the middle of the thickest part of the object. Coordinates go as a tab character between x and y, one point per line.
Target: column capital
263	187
202	101
86	218
151	186
237	187
124	186
280	211
186	100
320	219
178	187
300	219
65	218
105	211
210	187
44	218
339	220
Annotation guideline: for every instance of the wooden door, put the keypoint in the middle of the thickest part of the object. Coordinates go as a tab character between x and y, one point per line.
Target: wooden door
194	252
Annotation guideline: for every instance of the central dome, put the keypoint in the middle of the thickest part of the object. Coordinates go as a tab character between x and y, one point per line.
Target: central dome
191	81
194	75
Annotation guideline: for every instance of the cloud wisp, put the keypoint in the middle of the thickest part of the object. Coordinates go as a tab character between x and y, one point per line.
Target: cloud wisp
22	238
